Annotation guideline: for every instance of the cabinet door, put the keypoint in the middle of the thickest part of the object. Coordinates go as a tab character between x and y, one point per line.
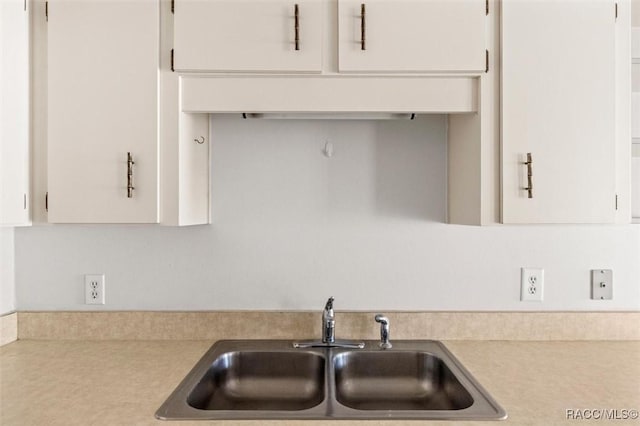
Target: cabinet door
102	104
248	35
14	112
412	35
635	187
558	103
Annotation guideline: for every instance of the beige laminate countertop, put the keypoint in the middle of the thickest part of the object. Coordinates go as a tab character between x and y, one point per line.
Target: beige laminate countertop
124	382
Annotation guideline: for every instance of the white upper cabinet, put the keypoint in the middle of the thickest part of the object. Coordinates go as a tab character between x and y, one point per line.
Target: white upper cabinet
412	35
559	104
103	104
248	35
287	35
635	97
14	113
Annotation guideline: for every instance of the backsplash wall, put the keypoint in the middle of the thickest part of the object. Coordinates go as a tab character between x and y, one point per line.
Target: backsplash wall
292	226
7	282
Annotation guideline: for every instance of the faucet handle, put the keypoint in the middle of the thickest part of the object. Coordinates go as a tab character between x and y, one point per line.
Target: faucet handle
329	305
382	319
384	331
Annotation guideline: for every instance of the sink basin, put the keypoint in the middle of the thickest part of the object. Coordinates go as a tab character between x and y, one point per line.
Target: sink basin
386	380
270	379
252	379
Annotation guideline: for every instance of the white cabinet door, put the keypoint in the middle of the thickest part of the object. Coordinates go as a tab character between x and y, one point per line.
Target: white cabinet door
14	112
248	35
635	115
102	104
558	103
412	35
635	188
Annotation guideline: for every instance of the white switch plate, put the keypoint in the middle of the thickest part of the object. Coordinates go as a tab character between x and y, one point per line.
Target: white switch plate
601	284
94	289
531	284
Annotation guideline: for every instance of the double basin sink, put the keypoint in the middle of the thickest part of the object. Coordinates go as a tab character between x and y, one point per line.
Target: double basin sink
271	379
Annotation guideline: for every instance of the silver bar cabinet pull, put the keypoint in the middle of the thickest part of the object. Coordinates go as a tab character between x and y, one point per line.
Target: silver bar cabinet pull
130	164
296	12
363	27
529	164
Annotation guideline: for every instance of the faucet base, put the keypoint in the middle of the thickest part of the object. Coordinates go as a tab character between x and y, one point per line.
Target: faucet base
336	344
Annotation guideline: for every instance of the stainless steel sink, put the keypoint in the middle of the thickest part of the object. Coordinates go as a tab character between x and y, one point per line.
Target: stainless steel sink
253	380
390	380
267	379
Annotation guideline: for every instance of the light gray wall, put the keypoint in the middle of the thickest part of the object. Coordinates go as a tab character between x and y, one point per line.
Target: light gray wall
292	227
7	282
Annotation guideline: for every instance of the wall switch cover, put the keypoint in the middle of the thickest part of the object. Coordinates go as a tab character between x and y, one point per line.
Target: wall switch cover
602	284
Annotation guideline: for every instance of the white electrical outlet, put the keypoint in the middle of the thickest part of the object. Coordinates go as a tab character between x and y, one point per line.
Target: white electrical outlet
94	289
531	284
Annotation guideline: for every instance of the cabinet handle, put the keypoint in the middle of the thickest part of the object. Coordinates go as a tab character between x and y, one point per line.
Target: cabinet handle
296	13
529	164
130	164
363	27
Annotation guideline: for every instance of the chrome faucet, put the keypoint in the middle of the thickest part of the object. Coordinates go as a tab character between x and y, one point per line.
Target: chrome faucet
384	331
328	323
329	333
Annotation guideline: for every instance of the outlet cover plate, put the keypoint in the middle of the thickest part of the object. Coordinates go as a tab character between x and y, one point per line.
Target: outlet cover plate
531	284
94	289
602	284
